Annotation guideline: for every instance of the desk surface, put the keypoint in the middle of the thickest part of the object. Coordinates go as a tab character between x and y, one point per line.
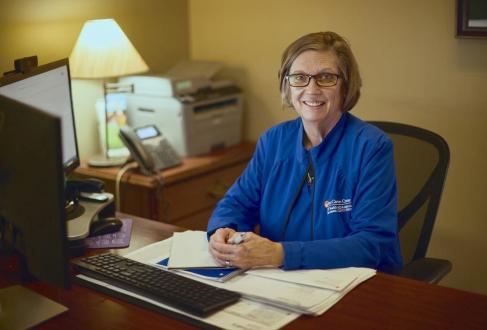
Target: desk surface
383	302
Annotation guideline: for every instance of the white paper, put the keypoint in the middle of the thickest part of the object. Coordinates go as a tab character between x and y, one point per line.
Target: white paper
244	314
287	295
189	249
151	253
298	298
334	279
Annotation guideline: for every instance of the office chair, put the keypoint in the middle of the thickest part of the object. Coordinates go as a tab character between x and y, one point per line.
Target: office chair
421	158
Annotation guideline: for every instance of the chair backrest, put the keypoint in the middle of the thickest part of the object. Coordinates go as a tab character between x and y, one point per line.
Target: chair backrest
421	158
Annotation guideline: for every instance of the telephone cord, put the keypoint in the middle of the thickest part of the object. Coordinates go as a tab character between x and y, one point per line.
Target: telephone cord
120	174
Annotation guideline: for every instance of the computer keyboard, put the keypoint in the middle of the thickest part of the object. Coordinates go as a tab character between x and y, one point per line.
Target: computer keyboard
163	286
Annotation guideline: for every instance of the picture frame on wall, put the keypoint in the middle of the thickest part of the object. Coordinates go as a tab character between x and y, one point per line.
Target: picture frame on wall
471	18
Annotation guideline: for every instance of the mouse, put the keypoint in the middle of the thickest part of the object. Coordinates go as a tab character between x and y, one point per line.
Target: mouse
105	226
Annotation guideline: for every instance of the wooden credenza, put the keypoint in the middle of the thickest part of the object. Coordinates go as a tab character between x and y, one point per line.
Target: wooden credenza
189	192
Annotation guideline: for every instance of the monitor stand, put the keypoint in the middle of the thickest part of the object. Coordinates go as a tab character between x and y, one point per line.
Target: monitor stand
79	227
17	304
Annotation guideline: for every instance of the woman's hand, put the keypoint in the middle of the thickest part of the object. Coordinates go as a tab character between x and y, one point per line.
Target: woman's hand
254	251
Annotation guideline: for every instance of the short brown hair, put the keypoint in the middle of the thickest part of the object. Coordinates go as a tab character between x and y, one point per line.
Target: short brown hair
324	41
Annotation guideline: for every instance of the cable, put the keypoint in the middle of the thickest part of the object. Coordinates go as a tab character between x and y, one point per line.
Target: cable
120	174
160	200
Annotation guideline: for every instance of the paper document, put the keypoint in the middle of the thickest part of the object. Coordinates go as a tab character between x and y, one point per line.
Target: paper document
291	296
334	279
243	315
189	249
312	299
152	253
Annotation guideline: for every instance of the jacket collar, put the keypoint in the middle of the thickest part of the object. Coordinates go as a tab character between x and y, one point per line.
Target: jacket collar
327	146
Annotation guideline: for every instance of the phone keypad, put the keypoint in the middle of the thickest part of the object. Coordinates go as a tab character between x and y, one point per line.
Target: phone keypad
164	155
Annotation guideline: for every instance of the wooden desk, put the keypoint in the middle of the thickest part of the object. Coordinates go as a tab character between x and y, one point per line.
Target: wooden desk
383	302
190	191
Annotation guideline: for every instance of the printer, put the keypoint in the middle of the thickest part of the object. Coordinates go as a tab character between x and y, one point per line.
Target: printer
195	113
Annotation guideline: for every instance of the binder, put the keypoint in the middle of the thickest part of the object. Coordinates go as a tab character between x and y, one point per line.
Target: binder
220	274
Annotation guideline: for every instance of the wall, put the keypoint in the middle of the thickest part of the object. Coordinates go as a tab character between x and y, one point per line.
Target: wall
49	29
414	71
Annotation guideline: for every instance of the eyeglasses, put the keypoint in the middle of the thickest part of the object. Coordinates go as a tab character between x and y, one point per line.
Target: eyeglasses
322	79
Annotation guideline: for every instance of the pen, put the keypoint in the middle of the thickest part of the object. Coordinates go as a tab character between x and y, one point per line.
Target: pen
237	238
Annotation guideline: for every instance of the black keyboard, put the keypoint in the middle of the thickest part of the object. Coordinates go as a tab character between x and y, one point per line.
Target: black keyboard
163	286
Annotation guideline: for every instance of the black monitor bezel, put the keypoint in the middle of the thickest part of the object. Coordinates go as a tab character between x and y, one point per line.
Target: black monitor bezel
38	253
18	76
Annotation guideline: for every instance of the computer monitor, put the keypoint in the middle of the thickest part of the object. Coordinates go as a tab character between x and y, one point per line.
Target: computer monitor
38	147
32	216
48	87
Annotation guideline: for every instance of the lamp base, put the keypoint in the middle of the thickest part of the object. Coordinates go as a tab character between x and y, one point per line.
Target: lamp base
104	161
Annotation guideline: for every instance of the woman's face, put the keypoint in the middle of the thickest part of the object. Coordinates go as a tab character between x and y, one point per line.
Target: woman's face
319	106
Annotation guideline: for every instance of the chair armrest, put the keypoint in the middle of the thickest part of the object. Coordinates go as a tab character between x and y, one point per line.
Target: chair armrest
429	270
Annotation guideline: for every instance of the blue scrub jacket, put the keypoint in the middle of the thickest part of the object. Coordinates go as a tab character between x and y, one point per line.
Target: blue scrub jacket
332	206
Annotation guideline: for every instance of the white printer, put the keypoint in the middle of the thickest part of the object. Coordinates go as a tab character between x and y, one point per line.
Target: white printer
196	114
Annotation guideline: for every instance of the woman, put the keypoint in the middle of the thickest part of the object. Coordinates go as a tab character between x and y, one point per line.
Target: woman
321	187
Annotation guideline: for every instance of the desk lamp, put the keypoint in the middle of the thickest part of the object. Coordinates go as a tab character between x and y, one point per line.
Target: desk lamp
104	51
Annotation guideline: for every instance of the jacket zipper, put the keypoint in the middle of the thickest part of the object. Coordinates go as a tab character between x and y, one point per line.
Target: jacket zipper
310	175
309	178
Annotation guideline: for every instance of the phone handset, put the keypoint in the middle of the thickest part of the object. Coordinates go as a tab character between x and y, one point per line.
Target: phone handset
137	150
149	148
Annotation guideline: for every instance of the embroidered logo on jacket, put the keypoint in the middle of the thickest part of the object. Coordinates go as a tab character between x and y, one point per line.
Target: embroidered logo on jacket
341	205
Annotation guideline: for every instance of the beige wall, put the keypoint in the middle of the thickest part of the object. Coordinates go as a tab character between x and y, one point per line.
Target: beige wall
49	29
414	71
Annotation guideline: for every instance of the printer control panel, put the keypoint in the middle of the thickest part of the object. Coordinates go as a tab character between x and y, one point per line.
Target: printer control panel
208	93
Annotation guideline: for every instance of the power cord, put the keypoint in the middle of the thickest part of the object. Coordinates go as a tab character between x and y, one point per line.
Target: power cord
120	174
160	200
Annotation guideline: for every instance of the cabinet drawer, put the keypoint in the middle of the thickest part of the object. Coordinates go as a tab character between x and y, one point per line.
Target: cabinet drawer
202	192
196	221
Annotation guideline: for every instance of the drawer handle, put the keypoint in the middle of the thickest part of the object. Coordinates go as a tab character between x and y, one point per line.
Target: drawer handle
218	190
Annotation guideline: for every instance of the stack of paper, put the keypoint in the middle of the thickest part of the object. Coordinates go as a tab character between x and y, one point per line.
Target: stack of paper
244	314
302	291
333	279
277	289
188	253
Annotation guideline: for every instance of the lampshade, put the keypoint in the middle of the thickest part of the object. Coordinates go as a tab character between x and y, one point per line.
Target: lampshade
104	51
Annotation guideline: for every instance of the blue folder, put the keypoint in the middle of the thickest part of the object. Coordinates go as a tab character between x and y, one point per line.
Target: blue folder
216	274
